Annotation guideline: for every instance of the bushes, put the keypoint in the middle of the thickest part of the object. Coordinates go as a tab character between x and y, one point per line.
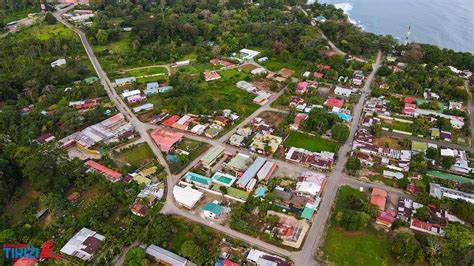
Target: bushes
406	248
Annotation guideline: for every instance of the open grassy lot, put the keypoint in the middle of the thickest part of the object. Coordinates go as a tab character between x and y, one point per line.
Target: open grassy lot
44	31
402	126
9	16
311	143
146	71
367	247
121	46
222	92
275	65
360	247
136	156
196	68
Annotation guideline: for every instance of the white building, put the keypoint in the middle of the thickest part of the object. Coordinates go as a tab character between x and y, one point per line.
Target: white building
83	244
248	55
123	81
343	92
58	62
186	196
131	93
146	106
438	191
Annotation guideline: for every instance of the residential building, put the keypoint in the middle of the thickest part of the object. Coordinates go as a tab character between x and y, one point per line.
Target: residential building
266	171
165	257
198	180
251	172
186	196
248	55
138	209
103	170
58	62
166	139
143	107
236	140
258	71
124	81
182	63
212	210
343	91
244	85
265	143
439	192
83	244
240	163
212	156
213	131
379	197
211	75
126	94
44	138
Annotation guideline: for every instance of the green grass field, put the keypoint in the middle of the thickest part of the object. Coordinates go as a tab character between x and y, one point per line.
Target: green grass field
44	31
9	16
311	143
366	247
147	71
402	126
137	155
362	247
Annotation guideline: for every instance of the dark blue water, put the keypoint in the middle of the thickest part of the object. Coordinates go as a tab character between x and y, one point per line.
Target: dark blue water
446	23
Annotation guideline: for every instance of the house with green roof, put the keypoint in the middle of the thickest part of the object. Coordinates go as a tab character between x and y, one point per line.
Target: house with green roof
212	210
240	163
307	213
212	156
198	180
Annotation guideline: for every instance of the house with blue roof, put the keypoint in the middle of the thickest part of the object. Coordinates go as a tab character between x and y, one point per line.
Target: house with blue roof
251	172
212	210
198	180
152	88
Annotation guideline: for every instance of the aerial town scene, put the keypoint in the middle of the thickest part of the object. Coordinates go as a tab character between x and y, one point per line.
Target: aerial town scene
232	132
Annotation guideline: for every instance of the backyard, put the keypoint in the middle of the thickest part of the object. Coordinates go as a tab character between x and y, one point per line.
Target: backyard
177	162
136	155
311	143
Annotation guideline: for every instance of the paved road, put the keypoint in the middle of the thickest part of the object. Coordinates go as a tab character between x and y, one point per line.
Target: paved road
427	140
336	178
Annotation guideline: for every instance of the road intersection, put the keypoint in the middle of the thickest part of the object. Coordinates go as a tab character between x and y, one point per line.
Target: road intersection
336	177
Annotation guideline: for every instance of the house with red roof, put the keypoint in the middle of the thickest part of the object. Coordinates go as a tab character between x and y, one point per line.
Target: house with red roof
171	120
165	139
211	75
409	109
301	87
385	218
330	53
103	170
409	100
138	209
333	102
318	75
379	198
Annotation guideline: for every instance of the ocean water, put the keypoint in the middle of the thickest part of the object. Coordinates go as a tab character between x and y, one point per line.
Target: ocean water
446	23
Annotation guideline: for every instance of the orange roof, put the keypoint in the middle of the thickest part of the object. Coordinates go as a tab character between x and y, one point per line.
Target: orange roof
379	201
165	139
103	170
25	262
379	192
170	121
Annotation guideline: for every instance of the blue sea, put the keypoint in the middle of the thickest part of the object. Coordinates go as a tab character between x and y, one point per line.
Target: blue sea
446	23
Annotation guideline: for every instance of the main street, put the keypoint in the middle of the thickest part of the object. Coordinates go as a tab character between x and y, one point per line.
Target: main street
335	179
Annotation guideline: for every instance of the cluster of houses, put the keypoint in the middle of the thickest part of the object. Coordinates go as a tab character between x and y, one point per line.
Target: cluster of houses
406	209
262	142
191	123
262	95
364	149
323	160
304	200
